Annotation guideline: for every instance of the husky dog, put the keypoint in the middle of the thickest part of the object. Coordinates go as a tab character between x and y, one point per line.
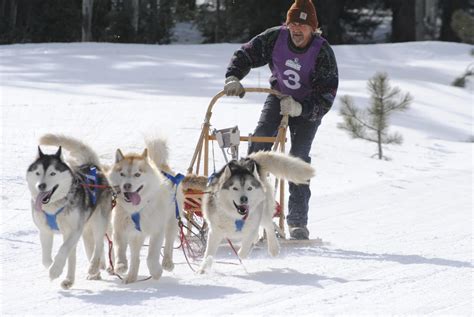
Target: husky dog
146	207
240	198
63	202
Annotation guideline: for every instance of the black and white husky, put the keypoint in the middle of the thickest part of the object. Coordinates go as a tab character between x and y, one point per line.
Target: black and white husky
240	198
69	198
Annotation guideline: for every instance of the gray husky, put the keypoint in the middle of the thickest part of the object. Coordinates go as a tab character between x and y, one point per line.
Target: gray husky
69	198
240	198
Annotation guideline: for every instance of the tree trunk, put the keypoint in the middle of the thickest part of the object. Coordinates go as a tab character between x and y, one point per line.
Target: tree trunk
135	14
403	21
449	6
3	4
379	144
420	20
329	12
87	8
218	21
13	14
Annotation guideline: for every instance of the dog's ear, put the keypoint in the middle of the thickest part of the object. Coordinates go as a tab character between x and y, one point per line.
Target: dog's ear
40	153
145	153
118	156
226	174
58	153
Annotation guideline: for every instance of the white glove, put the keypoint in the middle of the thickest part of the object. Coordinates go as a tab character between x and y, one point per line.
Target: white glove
290	106
233	87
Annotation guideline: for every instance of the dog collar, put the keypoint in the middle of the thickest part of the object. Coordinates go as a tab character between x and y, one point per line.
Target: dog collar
51	219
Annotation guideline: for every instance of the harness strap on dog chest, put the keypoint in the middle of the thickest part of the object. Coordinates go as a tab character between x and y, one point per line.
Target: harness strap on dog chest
91	179
136	220
239	224
51	219
175	180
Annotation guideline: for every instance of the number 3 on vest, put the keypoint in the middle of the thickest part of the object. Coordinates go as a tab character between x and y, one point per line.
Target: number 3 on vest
293	81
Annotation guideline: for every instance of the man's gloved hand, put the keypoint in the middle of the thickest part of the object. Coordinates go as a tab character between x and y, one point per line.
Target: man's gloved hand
290	106
233	87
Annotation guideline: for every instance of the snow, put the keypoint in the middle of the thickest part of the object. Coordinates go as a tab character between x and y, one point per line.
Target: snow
399	231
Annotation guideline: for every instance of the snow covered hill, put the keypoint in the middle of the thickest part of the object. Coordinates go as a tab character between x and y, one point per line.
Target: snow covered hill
399	230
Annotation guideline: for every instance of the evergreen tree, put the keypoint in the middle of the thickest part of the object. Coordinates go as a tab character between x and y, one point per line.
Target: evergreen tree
372	124
448	8
100	20
462	24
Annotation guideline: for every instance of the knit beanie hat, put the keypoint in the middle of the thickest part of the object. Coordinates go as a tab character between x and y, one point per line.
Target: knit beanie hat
304	12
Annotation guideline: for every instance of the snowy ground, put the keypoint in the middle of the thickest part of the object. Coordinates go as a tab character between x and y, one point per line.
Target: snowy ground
399	231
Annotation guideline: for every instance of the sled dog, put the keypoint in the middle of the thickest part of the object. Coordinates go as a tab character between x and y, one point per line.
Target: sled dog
147	203
240	198
71	198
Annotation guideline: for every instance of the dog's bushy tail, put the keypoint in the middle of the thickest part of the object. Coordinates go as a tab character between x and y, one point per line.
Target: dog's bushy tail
284	166
195	182
80	152
158	152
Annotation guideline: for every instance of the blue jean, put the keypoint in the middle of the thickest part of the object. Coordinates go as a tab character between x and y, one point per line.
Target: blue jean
302	133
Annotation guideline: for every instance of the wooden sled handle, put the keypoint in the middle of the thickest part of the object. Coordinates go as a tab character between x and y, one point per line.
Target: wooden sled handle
207	120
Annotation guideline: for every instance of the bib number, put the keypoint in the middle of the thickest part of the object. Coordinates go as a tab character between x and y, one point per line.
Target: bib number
293	79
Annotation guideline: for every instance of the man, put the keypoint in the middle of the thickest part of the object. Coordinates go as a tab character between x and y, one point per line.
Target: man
304	69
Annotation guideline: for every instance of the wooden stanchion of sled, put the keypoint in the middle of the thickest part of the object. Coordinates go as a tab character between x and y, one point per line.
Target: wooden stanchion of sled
200	166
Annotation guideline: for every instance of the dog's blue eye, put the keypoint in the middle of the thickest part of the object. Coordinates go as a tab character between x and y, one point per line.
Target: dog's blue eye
122	174
38	173
235	188
52	173
137	174
250	188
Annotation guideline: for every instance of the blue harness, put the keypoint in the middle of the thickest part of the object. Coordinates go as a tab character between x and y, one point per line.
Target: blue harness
136	220
239	224
51	219
175	180
91	179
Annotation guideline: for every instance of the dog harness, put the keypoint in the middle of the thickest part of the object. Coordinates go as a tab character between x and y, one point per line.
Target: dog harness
239	223
91	179
175	180
136	219
51	219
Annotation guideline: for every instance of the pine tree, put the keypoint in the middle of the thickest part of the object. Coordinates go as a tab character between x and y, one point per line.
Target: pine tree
372	124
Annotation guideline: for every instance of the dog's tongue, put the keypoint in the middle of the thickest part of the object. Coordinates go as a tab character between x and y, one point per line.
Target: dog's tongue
39	200
134	198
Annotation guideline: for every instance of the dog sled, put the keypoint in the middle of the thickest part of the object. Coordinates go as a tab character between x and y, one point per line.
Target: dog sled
229	139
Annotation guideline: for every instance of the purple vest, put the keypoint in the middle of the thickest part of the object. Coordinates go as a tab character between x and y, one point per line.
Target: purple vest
292	71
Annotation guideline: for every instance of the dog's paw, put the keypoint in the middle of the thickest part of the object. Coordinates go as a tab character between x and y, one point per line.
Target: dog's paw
47	262
94	277
243	253
110	270
201	270
206	264
157	275
274	250
167	264
121	268
67	283
131	278
156	272
55	271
